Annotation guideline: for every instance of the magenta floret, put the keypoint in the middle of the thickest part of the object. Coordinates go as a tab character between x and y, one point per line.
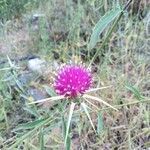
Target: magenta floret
72	80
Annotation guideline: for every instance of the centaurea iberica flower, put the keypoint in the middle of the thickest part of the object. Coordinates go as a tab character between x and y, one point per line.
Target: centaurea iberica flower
72	81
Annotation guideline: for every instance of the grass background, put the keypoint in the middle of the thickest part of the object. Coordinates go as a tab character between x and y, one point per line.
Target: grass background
59	31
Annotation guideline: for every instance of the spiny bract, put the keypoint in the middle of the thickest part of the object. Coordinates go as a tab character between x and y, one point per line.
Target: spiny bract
72	80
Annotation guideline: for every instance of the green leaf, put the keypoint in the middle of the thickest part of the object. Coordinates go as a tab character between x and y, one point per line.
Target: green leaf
20	139
63	126
28	134
50	91
135	91
41	139
102	24
31	125
69	120
100	125
68	142
88	115
32	111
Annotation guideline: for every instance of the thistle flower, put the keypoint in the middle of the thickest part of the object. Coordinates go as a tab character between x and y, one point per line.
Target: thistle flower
72	80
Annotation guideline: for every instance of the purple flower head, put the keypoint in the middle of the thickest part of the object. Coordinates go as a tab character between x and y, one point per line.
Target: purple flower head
72	80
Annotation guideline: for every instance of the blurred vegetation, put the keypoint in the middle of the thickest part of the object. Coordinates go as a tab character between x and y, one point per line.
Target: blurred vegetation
15	8
59	31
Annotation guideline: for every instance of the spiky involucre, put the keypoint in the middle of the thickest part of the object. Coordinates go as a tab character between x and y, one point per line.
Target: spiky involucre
72	80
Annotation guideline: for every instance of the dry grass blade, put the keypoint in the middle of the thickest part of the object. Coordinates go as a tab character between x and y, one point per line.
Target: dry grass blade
88	115
99	100
96	89
55	98
3	69
91	103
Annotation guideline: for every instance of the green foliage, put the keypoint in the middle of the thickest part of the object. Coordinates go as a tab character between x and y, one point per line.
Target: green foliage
100	124
44	44
31	125
135	91
72	106
14	8
102	24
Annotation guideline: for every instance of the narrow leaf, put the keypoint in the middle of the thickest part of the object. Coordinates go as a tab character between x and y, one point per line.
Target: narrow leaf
100	125
68	143
41	139
31	125
102	24
88	115
63	126
32	111
20	139
135	91
69	120
50	91
29	134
